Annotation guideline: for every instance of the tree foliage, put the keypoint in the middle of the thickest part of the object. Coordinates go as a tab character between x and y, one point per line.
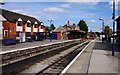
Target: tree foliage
108	30
83	26
49	28
52	27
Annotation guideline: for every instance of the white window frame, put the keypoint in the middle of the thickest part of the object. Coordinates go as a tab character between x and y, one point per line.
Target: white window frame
4	33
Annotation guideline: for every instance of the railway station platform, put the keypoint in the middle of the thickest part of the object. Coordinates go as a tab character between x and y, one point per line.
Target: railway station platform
96	59
28	45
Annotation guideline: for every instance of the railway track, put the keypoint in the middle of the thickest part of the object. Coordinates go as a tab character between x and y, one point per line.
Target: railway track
45	54
58	66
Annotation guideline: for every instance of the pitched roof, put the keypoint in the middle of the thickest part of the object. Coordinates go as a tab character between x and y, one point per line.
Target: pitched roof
59	29
80	31
13	16
2	18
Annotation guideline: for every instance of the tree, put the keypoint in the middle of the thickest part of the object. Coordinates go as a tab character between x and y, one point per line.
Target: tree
52	27
47	29
83	26
108	31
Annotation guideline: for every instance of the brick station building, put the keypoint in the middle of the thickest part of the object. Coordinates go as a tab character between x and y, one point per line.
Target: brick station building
20	27
67	32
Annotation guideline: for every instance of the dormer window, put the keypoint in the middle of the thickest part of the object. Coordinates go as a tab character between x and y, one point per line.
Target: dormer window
28	23
19	23
36	25
41	27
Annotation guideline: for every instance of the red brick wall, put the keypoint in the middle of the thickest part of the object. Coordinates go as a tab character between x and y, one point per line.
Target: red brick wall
23	28
64	35
44	29
31	30
11	27
59	35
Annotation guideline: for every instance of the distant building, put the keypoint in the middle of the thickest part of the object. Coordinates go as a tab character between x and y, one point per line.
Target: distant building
67	32
59	33
118	29
20	27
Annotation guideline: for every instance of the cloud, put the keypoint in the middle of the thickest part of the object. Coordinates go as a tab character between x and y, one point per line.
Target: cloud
85	2
54	10
82	0
65	6
92	21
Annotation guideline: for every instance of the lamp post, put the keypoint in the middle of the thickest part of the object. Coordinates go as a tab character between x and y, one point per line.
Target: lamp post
50	21
102	24
113	17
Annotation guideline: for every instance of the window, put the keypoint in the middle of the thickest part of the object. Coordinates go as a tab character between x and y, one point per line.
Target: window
41	27
5	33
36	25
28	25
19	23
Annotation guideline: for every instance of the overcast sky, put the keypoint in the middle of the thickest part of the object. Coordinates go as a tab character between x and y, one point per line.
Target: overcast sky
66	10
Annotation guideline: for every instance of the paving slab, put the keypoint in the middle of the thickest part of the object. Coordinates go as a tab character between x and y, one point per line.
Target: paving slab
102	60
97	59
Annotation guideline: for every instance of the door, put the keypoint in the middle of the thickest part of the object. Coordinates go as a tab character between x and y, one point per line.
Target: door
23	37
20	36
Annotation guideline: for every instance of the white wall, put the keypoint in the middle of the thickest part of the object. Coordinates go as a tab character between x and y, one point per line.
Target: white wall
19	28
28	29
41	30
1	26
35	29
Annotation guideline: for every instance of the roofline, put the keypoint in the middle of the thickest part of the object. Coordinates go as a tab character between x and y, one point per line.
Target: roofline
20	14
117	18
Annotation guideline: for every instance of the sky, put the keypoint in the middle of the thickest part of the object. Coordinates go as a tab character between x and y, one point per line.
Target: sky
62	11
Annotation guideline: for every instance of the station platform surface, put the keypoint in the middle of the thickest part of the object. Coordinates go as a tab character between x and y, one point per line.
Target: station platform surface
95	59
27	45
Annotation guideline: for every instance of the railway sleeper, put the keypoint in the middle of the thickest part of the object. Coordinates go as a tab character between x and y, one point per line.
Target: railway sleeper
29	52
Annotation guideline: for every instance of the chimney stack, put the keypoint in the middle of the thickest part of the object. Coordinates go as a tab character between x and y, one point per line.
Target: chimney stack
68	23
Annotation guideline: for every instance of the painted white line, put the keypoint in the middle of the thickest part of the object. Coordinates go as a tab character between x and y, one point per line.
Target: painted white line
35	46
65	70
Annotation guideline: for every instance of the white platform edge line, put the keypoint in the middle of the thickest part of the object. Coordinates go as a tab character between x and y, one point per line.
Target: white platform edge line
36	46
65	70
